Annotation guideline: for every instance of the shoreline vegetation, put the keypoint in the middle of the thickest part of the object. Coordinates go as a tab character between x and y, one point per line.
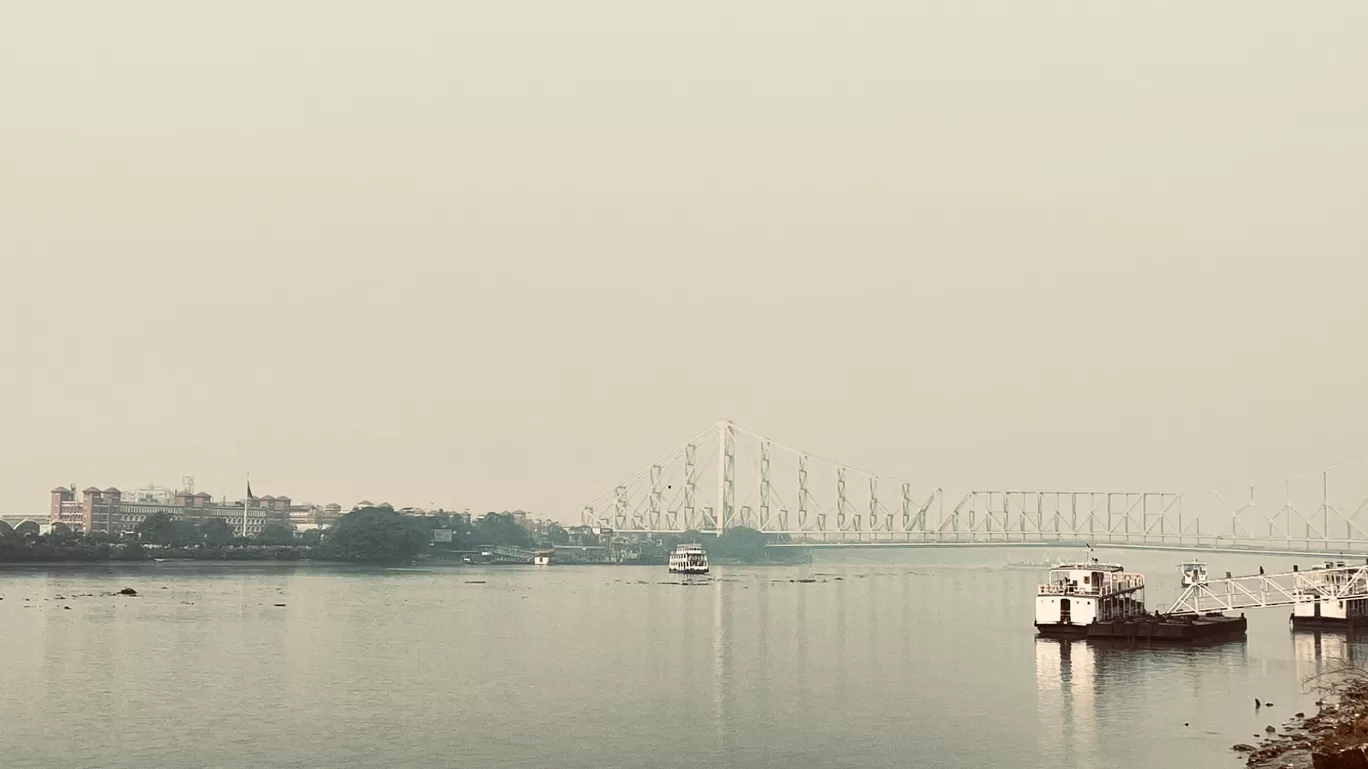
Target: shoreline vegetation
371	535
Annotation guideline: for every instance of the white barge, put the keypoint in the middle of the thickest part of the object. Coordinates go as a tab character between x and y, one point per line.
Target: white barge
1103	601
688	559
1323	598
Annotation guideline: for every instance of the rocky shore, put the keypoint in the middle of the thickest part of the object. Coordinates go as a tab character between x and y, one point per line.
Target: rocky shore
1334	738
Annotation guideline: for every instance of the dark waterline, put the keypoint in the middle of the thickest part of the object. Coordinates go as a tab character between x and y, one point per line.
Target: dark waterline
890	659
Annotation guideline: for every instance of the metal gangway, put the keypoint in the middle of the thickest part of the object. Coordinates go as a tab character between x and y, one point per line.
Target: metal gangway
1257	591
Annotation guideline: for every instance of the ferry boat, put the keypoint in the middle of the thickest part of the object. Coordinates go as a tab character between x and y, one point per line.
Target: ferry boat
1099	601
689	559
1320	601
1079	595
1194	573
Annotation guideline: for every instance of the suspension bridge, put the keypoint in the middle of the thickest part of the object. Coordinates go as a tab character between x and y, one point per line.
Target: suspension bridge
727	477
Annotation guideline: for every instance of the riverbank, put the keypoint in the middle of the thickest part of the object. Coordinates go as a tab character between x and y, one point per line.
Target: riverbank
1334	738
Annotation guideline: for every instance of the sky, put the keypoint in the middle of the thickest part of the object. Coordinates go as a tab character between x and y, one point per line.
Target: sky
502	255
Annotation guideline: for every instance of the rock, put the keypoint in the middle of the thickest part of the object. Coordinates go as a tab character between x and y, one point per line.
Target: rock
1242	748
128	591
1345	758
1270	729
1299	715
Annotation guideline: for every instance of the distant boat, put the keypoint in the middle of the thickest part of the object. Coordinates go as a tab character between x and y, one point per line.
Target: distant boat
1194	573
689	559
1046	563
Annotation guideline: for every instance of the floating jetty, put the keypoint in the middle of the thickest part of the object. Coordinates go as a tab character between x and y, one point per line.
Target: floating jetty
1094	600
1333	596
1330	597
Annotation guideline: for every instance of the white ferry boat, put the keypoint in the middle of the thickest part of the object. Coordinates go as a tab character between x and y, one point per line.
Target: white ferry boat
689	559
1078	595
1194	573
1325	597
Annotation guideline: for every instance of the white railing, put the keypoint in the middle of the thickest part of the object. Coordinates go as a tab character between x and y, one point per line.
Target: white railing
1267	590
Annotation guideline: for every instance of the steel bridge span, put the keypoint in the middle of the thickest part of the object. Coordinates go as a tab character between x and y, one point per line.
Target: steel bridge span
727	477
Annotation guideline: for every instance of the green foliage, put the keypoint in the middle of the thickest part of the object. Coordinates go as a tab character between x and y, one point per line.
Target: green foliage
742	544
158	528
275	533
557	535
216	532
376	534
500	529
132	551
186	533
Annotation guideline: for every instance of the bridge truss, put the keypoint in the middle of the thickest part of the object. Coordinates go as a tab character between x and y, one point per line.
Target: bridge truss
727	477
1258	591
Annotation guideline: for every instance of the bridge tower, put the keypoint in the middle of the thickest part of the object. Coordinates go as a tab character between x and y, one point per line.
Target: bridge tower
726	476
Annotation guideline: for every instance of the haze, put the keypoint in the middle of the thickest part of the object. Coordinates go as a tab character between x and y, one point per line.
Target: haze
501	255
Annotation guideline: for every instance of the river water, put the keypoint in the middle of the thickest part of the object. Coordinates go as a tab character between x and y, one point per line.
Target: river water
892	658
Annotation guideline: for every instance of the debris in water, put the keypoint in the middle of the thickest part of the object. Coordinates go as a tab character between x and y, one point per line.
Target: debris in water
280	604
128	591
475	582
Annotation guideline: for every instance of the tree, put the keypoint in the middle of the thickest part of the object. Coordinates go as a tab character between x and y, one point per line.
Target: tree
216	532
276	533
557	534
500	529
376	534
186	532
133	551
311	537
157	528
744	544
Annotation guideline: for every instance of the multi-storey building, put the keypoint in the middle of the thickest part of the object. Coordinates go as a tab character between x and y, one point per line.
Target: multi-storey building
305	517
109	511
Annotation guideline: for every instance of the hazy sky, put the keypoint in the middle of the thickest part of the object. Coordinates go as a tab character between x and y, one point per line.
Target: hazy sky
500	255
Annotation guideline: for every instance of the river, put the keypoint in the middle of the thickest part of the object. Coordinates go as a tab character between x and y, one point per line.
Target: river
892	658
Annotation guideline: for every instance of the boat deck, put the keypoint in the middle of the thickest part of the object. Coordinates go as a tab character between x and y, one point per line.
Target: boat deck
1153	628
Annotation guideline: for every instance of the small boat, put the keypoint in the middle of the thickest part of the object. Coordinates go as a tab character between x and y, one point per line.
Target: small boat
1033	565
541	558
1194	573
689	559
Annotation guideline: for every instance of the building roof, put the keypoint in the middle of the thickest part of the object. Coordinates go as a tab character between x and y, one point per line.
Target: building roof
268	496
60	488
203	495
112	490
92	490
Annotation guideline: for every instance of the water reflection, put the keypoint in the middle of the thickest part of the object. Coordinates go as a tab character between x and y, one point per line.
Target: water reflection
1066	703
1316	652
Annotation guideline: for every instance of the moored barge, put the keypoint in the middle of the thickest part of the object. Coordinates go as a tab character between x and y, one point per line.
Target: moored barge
1103	601
1325	598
